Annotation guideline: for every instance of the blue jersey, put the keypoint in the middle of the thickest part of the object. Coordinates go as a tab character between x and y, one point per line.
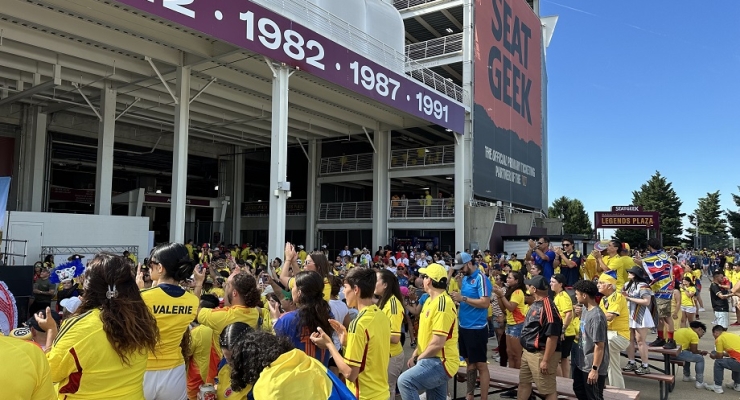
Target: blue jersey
475	286
287	326
547	268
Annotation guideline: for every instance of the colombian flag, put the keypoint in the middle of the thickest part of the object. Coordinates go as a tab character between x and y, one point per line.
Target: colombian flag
658	267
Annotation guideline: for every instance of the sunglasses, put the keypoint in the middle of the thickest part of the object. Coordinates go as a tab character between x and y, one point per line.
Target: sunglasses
567	244
540	243
424	276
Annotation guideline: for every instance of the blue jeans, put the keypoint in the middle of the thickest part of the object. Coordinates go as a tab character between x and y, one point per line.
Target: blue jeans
726	363
427	375
688	357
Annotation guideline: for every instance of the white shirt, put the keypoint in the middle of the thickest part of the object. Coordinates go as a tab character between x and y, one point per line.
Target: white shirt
421	263
345	253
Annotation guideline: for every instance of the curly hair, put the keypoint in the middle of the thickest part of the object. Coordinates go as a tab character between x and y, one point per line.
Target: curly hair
246	286
313	310
127	322
252	353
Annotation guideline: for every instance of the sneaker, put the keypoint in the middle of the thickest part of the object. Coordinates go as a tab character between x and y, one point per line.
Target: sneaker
688	379
701	309
659	342
717	389
699	385
733	386
670	344
630	367
642	370
511	394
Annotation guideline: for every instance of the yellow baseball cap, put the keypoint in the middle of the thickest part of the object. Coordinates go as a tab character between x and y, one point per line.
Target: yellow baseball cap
608	279
434	271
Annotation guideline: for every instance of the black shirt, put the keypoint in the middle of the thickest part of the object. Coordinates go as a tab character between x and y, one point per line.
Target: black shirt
542	320
720	305
572	275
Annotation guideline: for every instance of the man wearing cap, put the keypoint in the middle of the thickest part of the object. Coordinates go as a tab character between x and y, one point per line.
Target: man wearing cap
38	334
436	358
540	252
541	343
474	298
614	306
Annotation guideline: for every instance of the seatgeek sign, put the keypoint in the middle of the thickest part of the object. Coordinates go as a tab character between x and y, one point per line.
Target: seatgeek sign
252	27
507	114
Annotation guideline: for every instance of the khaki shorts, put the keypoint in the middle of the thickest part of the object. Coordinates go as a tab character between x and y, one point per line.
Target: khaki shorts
664	307
529	372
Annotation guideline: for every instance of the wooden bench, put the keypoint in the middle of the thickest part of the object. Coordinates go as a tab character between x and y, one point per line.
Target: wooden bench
666	382
652	357
504	379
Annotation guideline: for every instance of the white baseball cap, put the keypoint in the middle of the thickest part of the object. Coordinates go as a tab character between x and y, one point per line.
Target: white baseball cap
71	304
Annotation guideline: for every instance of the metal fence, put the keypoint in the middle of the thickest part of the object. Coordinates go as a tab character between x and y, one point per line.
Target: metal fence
344	164
344	33
422	208
435	47
361	210
404	4
423	156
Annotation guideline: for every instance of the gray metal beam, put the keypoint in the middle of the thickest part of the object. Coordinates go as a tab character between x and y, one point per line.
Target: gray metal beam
54	82
430	8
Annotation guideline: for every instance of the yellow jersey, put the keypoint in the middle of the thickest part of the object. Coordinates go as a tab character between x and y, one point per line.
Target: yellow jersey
564	303
174	309
453	286
219	318
516	265
393	309
687	293
685	337
203	364
218	292
616	304
278	380
368	348
189	248
730	343
326	290
517	316
24	372
223	389
86	366
439	317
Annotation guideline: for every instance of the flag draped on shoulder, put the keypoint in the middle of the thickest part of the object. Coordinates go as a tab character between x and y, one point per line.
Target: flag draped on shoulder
658	266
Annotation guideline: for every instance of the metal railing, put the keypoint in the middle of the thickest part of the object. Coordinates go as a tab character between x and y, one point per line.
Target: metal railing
504	210
361	210
422	208
423	156
404	4
344	164
435	47
344	33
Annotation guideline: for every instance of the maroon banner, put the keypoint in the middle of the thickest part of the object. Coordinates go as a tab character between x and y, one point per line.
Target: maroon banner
635	219
252	27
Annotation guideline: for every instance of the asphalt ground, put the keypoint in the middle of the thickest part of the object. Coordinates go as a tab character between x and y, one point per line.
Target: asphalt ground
649	390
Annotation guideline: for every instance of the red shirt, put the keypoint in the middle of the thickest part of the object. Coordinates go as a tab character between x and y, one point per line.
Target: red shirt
677	273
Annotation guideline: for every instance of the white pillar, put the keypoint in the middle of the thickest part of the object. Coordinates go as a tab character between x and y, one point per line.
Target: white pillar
106	139
312	192
180	157
238	195
382	185
463	147
32	164
279	185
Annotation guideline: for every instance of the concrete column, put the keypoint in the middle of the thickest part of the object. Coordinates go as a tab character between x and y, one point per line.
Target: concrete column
237	195
382	185
180	156
463	146
32	171
312	193
279	185
106	139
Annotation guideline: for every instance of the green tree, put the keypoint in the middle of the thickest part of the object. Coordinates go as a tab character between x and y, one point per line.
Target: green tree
657	194
733	217
709	220
573	214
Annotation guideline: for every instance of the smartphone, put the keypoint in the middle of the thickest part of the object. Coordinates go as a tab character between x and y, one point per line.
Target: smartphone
263	279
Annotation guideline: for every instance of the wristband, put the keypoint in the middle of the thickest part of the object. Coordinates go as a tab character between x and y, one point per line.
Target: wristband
595	367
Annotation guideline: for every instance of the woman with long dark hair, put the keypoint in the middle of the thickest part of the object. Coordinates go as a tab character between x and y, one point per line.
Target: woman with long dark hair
387	288
174	309
639	298
108	339
312	312
315	261
513	303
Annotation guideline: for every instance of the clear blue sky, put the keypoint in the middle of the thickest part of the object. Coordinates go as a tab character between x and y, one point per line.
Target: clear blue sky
639	86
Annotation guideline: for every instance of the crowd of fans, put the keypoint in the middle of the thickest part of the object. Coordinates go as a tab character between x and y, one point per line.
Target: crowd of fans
195	321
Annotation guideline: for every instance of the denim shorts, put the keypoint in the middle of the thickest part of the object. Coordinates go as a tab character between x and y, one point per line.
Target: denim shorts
514	331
